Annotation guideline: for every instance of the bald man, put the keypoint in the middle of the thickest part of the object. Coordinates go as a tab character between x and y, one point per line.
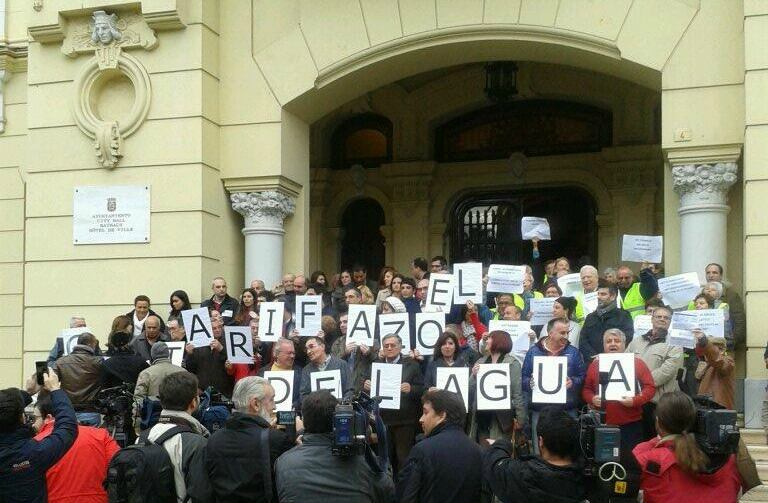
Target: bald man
633	294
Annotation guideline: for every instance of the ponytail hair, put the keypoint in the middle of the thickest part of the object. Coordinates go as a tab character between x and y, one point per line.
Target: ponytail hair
676	415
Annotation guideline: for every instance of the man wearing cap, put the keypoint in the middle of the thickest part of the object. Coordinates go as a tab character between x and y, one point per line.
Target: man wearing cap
148	383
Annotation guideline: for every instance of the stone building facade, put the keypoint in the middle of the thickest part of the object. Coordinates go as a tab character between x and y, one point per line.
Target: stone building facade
249	118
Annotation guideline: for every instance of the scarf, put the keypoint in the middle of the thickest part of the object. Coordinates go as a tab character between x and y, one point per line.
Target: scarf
138	325
602	310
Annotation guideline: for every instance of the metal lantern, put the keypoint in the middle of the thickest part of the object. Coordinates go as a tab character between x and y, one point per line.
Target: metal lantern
500	80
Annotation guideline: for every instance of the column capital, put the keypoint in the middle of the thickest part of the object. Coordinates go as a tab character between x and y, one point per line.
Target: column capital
263	211
704	177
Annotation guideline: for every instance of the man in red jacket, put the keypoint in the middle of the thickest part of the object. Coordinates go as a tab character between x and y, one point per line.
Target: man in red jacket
79	475
626	414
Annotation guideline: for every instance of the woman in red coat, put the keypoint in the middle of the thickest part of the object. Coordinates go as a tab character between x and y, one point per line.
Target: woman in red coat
674	468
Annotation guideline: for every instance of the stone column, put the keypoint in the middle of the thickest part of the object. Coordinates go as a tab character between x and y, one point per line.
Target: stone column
703	211
263	213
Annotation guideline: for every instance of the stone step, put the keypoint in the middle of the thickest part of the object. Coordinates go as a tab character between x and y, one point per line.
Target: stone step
762	471
759	493
753	436
759	453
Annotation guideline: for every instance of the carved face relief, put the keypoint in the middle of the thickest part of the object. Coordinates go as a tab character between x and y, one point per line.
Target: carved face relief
105	28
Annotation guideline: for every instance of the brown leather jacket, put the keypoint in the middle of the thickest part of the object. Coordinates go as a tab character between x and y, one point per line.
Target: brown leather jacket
80	375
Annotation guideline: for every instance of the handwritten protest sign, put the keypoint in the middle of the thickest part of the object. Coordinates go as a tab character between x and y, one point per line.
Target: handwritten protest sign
589	302
518	332
642	324
679	290
468	283
534	227
505	278
570	284
709	321
642	248
679	337
542	310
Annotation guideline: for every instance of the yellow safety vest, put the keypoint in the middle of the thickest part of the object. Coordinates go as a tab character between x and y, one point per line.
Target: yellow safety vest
633	301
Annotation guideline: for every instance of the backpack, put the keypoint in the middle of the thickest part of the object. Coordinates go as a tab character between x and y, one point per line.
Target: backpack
143	472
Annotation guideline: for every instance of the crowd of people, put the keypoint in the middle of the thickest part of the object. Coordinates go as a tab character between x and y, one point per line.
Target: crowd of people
437	448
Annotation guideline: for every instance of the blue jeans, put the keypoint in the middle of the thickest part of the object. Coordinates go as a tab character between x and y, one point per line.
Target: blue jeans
88	418
534	420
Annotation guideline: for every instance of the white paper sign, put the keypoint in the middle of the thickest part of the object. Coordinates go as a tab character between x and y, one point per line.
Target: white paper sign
679	290
239	344
440	292
505	278
176	349
429	326
570	284
327	379
616	375
69	338
550	374
361	324
709	321
642	248
518	332
589	302
456	380
111	214
271	321
494	389
282	382
308	315
541	310
642	324
197	324
396	324
534	227
385	384
468	283
679	337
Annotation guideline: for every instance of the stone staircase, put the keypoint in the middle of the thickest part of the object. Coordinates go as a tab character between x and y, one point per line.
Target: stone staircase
758	449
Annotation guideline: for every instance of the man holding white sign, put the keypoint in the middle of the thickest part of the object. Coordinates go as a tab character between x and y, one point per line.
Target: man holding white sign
401	423
662	359
568	373
320	361
358	354
622	372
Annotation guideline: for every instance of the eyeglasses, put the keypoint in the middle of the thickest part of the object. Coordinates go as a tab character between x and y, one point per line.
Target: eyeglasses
390	346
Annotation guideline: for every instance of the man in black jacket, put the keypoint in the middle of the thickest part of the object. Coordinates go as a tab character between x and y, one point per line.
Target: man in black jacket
220	301
607	315
555	477
310	472
24	460
240	466
445	467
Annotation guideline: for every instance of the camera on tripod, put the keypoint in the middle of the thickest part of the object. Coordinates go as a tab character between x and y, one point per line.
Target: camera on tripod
351	430
116	404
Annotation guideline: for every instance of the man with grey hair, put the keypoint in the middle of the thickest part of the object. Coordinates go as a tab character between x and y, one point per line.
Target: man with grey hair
240	457
401	424
57	351
284	360
626	413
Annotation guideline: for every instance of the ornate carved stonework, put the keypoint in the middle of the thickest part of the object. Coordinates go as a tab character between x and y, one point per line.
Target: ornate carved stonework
126	31
700	178
108	144
266	208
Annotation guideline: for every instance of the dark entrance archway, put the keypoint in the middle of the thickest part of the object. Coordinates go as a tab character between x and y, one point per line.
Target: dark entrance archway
362	241
485	227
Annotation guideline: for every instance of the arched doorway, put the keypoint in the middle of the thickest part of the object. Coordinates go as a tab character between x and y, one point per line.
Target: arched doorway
362	242
485	227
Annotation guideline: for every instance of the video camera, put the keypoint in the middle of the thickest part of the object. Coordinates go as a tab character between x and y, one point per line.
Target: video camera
116	404
354	423
601	449
716	431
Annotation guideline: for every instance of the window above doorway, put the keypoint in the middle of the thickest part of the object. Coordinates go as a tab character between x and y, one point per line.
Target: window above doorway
533	127
364	139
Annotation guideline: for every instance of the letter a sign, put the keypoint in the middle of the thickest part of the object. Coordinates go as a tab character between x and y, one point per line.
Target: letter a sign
550	374
617	375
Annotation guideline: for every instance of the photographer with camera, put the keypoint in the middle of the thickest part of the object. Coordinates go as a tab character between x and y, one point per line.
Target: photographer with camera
240	457
445	466
674	466
79	475
554	476
312	470
24	460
